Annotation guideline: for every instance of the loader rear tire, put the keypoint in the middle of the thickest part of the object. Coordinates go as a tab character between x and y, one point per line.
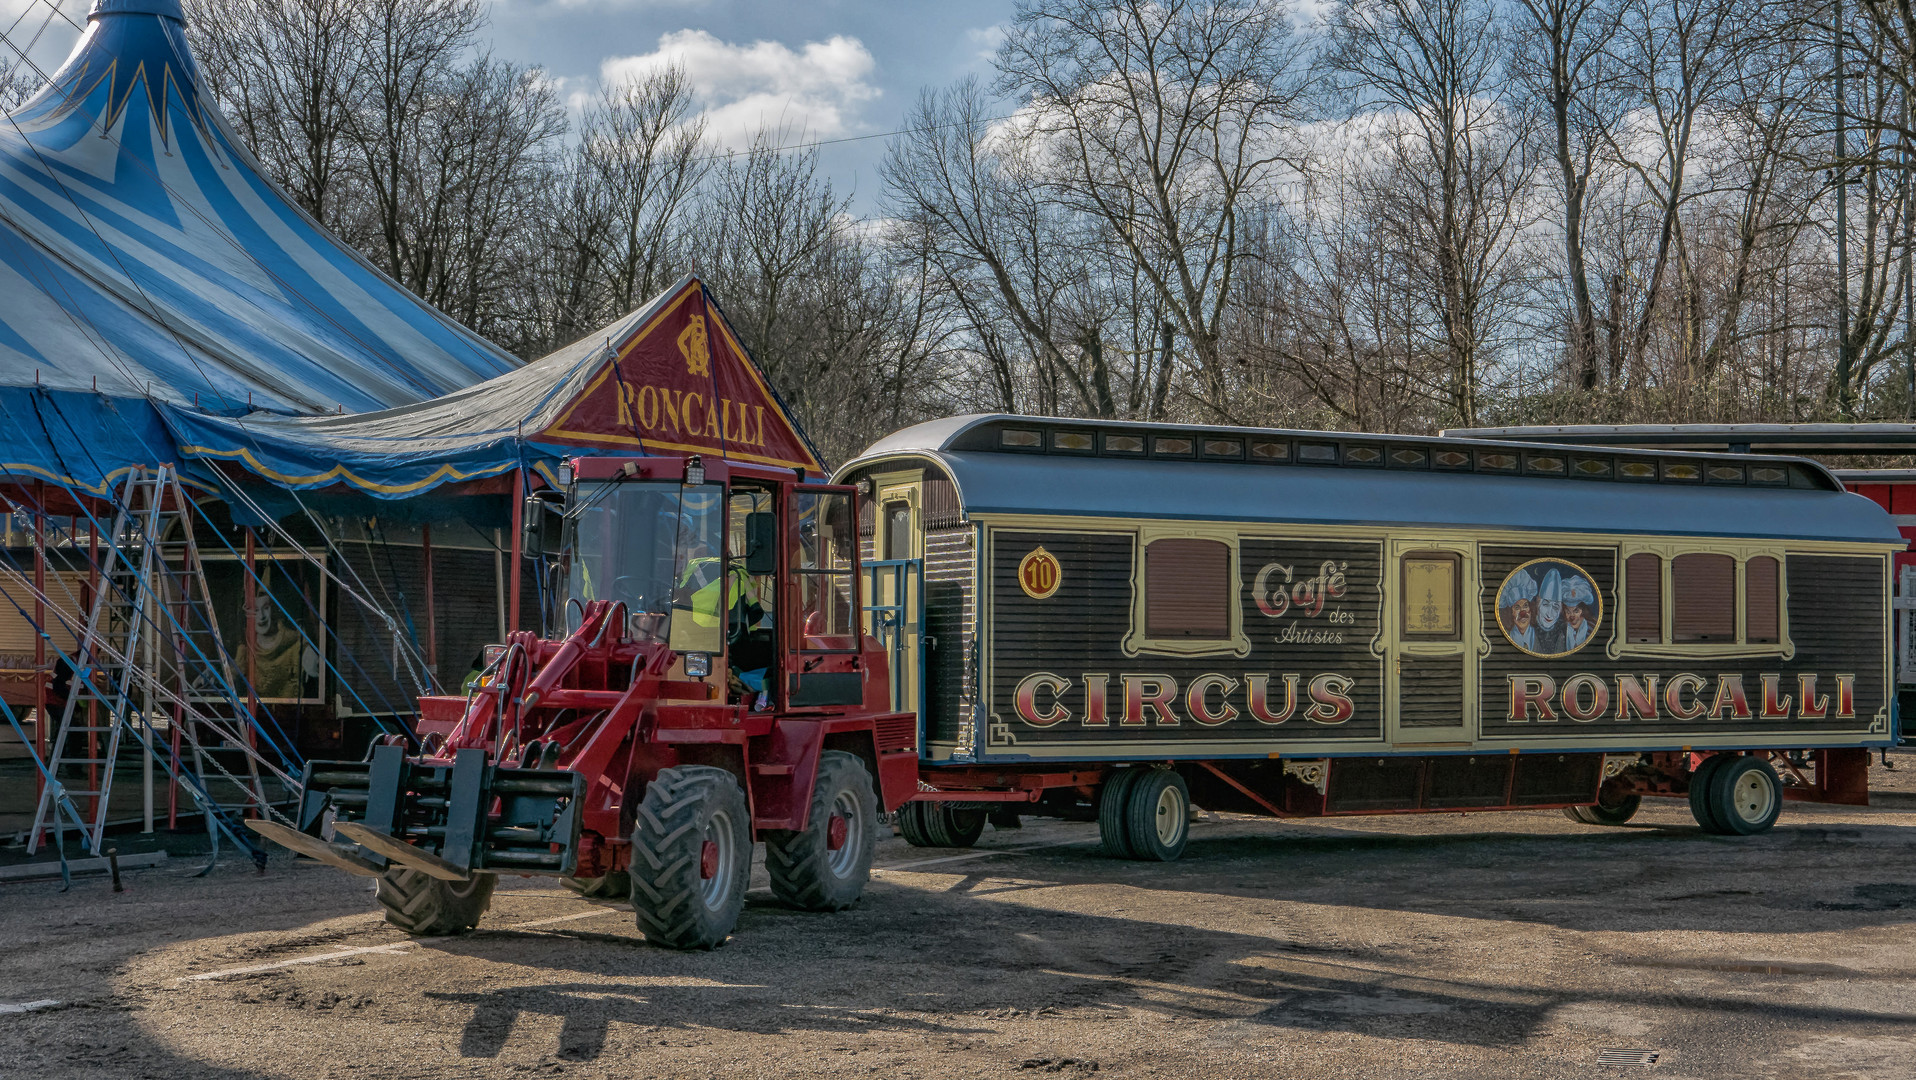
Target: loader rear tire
613	886
425	906
691	857
807	871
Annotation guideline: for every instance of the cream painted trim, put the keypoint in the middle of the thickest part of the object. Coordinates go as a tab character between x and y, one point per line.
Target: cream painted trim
908	492
1137	641
1670	649
1279	530
974	745
1469	647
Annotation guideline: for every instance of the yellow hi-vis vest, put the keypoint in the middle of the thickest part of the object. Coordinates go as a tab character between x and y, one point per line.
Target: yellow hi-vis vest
708	603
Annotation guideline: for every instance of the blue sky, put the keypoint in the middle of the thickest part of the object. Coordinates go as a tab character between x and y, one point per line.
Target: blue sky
822	69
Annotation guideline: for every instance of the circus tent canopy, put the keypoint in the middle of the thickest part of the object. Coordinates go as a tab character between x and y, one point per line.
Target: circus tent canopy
145	258
669	378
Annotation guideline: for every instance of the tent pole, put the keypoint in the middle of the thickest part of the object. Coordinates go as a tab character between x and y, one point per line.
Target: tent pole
432	622
518	547
249	636
40	734
91	594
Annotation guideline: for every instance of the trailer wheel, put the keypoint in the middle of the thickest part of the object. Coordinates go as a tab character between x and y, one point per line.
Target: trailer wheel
1606	811
951	825
425	906
824	867
691	857
1113	800
1745	796
615	885
1157	816
911	824
1702	807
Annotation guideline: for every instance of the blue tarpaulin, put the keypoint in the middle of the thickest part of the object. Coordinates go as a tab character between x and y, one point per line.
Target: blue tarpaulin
146	262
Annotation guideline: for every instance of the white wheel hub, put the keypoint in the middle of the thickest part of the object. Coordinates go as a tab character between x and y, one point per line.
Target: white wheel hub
1170	816
1752	796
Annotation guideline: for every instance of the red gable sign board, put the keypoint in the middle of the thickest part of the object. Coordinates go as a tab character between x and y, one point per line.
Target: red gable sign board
682	382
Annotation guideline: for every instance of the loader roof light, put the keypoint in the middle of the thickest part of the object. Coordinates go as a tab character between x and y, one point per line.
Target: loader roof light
694	471
565	474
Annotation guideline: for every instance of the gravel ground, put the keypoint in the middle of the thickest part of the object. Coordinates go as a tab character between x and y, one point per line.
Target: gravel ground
1487	945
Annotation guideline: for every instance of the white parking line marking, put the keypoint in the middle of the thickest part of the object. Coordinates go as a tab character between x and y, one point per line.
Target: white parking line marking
970	855
392	947
562	918
46	1003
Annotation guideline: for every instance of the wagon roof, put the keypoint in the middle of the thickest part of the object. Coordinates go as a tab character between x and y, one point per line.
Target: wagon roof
1043	465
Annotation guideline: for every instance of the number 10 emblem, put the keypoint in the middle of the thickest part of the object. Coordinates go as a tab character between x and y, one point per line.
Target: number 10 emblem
1039	574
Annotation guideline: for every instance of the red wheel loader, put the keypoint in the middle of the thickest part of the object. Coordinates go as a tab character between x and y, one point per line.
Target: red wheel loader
712	689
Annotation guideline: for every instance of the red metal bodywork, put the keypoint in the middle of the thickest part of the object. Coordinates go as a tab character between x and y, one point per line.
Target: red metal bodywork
618	715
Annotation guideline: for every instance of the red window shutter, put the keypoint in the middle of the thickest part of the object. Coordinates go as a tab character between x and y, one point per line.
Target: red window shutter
1760	600
1704	591
1187	589
1643	596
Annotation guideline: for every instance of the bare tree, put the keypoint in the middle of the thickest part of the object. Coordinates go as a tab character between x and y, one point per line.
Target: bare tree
1561	60
1161	118
1451	169
642	143
288	75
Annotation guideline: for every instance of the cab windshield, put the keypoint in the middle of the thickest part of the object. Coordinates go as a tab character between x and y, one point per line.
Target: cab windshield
656	547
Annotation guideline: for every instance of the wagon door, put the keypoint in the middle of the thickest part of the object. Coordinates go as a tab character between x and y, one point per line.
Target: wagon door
1433	631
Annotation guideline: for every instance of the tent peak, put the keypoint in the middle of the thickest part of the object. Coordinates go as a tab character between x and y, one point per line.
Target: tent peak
167	8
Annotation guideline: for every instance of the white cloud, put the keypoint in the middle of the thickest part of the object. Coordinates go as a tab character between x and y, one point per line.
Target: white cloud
984	42
815	90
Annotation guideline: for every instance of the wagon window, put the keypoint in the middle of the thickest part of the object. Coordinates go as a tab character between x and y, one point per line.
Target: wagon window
1703	589
1760	604
1643	597
1187	589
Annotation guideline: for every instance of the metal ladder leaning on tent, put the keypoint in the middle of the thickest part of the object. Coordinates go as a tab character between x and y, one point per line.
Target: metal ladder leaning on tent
151	653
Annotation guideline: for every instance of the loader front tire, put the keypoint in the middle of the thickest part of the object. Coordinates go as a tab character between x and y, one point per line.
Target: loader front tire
424	906
691	857
824	866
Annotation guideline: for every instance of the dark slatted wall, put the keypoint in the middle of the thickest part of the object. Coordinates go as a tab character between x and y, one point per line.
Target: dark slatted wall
1836	621
951	623
1506	660
393	577
1081	629
1430	691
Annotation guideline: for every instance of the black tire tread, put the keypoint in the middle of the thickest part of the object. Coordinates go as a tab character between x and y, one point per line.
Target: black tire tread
425	906
1140	815
665	844
1113	833
1729	823
798	862
615	885
1702	805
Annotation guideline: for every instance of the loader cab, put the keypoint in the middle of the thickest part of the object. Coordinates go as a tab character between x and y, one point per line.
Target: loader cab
746	573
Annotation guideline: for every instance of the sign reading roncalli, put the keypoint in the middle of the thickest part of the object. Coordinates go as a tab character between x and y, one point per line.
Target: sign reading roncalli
682	382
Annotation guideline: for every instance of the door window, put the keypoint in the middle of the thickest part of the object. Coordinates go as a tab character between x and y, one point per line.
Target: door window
822	569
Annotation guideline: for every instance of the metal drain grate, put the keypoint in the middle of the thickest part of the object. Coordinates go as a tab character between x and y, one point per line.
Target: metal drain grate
1627	1057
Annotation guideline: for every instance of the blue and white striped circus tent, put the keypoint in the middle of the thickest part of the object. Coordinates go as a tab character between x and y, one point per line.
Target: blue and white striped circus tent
145	259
